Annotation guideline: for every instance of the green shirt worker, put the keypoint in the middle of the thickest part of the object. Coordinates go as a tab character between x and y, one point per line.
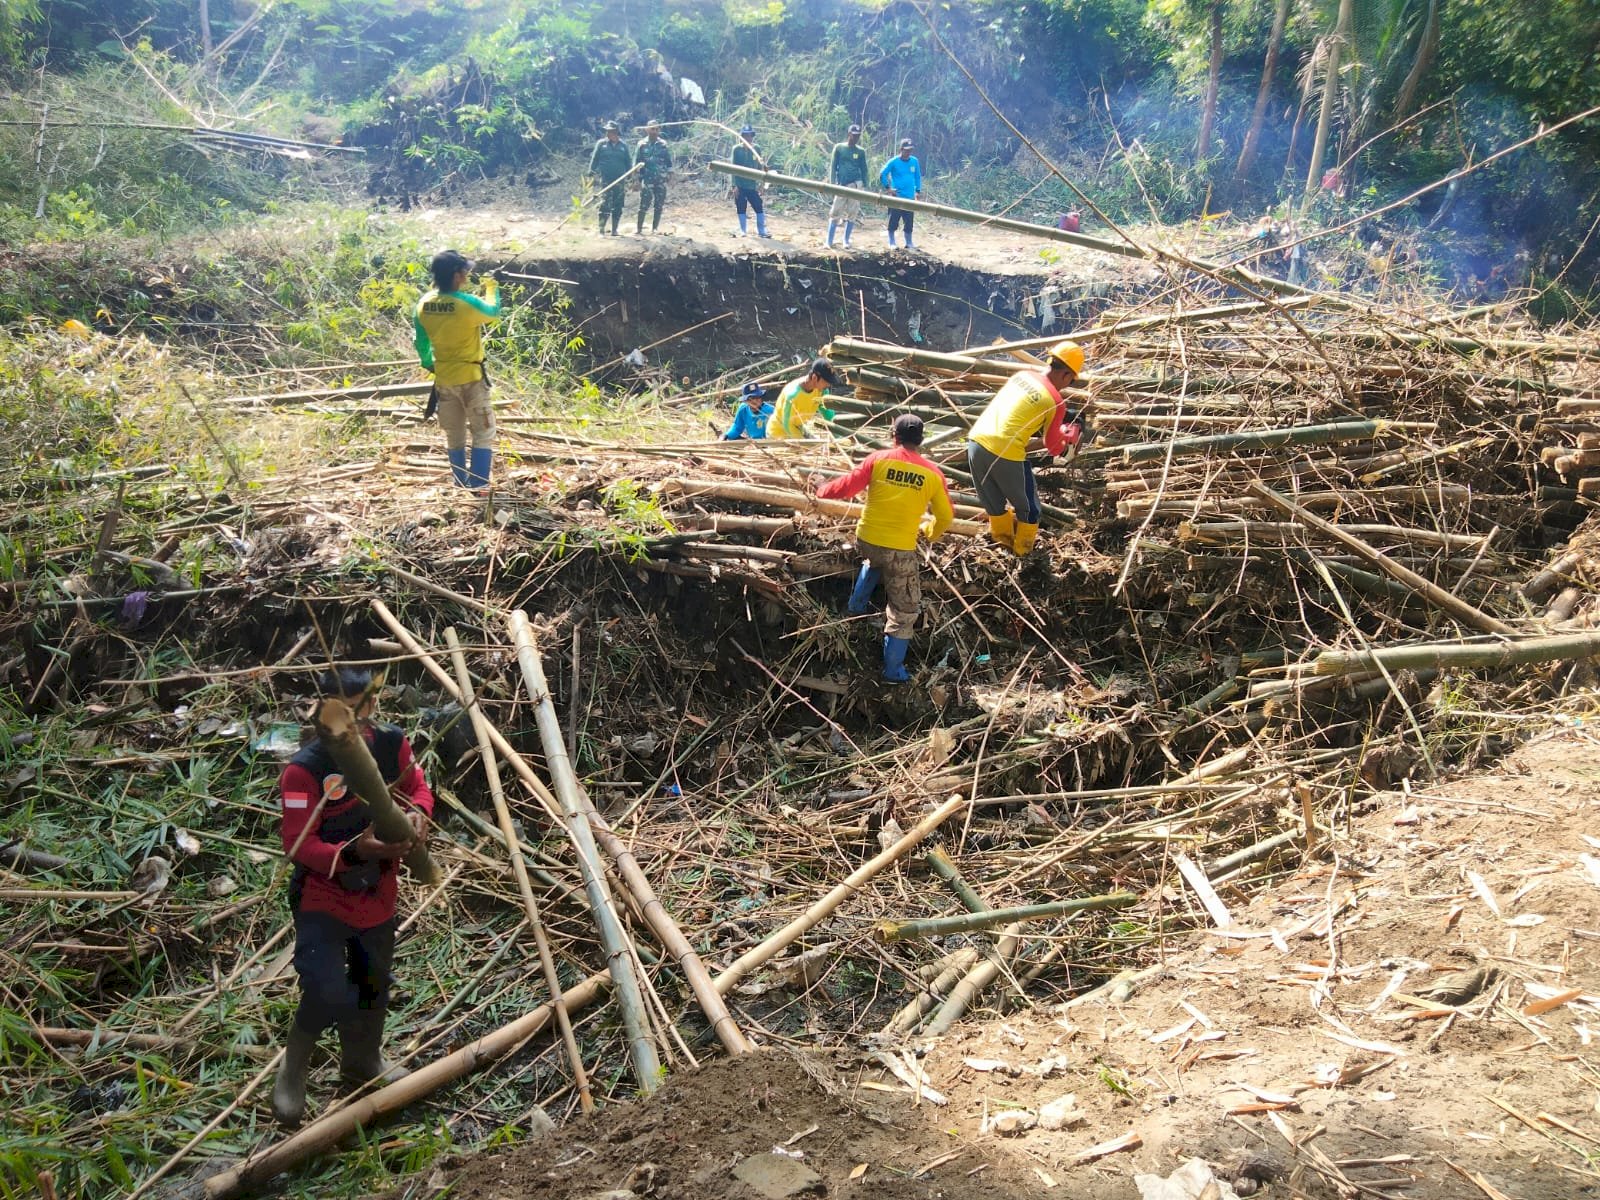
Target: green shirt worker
654	161
449	340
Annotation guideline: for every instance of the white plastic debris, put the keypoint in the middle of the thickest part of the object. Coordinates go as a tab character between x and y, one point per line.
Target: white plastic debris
1192	1181
1061	1113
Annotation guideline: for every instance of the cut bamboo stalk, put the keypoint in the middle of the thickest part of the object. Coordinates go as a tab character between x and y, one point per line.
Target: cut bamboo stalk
1259	439
332	1129
933	992
614	941
899	931
341	735
1435	595
972	984
823	908
1457	655
1543	583
519	869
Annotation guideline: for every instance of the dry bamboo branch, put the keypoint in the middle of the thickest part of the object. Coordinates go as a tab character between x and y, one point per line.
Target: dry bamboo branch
1435	595
824	907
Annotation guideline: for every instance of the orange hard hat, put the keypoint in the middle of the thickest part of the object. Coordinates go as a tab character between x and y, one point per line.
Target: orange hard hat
1068	354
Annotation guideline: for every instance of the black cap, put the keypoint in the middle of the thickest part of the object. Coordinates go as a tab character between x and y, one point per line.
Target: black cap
611	127
753	391
747	131
447	262
907	429
824	370
905	143
854	129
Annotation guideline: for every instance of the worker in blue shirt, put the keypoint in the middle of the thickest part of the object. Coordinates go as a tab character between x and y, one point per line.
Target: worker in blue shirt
750	418
902	175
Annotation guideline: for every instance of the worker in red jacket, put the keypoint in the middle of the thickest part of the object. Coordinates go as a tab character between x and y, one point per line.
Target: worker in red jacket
342	895
902	487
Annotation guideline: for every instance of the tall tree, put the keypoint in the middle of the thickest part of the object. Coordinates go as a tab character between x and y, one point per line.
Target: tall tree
1332	44
1208	114
1269	69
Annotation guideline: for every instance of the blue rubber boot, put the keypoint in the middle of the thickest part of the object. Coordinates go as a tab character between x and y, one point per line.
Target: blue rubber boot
861	595
849	228
744	224
894	659
458	465
761	225
482	462
832	228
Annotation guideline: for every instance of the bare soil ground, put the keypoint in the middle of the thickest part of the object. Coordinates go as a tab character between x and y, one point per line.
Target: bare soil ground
1292	1049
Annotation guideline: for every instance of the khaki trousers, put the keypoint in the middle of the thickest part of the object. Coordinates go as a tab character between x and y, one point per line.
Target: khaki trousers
465	407
901	576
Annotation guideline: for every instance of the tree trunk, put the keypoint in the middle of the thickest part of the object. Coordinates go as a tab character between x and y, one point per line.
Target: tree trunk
1269	69
205	29
1334	44
1406	100
1208	115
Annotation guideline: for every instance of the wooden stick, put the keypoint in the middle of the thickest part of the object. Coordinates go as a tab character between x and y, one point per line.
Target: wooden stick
899	931
641	1049
519	869
340	1124
341	735
1435	595
135	1041
823	908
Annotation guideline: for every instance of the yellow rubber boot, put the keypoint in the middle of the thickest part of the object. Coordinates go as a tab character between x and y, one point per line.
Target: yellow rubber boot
1003	528
1026	536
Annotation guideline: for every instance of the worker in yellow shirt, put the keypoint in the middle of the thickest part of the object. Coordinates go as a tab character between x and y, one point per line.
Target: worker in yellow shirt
802	400
902	487
449	340
1030	405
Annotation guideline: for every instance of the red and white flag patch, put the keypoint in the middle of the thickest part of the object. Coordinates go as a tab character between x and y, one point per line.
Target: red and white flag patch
296	800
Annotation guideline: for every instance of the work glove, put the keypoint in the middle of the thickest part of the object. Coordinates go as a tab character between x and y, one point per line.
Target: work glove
826	413
499	275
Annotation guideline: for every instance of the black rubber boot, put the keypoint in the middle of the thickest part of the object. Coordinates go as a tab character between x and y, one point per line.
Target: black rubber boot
289	1089
361	1060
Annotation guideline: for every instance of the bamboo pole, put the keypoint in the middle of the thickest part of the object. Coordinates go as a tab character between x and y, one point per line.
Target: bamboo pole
899	931
630	999
667	932
1523	652
823	908
519	869
1435	595
341	735
1259	439
796	501
661	923
330	1130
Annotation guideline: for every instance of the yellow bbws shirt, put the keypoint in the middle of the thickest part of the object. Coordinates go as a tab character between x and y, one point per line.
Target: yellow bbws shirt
449	339
901	486
1021	410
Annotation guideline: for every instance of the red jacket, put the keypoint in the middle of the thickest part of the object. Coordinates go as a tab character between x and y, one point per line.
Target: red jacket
327	877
